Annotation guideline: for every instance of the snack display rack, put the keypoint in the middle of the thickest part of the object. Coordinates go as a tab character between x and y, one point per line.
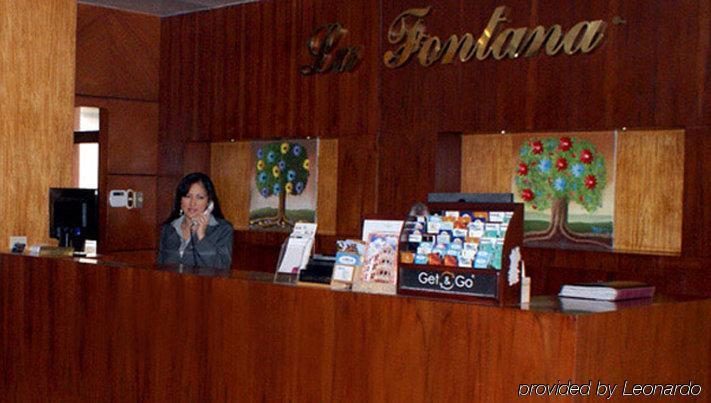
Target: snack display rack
463	251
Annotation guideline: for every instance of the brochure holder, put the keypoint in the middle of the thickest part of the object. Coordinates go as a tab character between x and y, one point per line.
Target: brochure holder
284	278
295	253
463	251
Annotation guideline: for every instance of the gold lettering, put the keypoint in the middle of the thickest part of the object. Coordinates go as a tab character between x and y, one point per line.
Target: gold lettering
531	44
553	40
430	51
327	57
593	36
571	41
574	41
408	32
501	48
410	35
454	45
499	16
346	59
322	42
518	36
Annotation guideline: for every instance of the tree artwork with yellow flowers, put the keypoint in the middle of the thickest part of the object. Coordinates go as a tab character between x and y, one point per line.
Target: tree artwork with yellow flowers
282	170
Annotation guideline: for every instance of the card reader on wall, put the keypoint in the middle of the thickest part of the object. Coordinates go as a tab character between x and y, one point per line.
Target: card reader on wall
128	198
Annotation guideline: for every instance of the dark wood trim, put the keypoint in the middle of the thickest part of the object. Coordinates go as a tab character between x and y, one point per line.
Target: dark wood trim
448	165
86	137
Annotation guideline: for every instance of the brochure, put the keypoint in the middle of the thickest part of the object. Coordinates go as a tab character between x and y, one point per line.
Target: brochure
464	239
378	274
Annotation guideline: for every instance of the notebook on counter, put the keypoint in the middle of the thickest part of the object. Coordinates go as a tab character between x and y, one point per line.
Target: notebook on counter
608	291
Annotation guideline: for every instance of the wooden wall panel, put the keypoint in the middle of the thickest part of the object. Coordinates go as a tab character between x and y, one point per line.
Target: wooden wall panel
37	49
595	91
135	229
696	233
118	53
448	163
233	73
165	197
118	65
231	170
176	73
686	275
327	186
487	163
132	134
649	199
196	158
357	173
418	103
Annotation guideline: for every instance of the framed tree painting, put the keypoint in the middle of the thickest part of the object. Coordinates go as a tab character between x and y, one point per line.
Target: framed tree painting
566	182
283	183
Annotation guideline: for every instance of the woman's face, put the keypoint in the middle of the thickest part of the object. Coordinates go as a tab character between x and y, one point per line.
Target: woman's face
195	202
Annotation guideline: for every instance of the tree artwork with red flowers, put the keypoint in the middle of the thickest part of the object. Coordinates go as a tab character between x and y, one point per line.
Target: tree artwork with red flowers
553	172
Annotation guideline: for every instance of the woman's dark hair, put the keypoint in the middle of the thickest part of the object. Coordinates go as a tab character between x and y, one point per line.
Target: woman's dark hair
184	188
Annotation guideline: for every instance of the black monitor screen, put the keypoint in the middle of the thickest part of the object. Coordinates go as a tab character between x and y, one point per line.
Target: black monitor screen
75	210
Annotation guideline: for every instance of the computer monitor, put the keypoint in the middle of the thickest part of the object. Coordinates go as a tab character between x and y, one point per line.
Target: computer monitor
73	216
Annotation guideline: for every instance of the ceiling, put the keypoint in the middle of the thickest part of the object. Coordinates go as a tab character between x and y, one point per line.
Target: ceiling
164	8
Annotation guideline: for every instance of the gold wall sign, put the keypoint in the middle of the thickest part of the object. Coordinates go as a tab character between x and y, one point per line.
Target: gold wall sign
327	56
409	33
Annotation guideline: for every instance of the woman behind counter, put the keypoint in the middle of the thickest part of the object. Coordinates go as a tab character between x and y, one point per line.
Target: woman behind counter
196	233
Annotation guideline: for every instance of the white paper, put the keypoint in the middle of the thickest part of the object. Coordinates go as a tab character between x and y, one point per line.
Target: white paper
304	230
381	227
343	273
293	256
306	253
298	248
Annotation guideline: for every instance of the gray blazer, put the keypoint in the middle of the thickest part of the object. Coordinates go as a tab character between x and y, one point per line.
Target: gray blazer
214	250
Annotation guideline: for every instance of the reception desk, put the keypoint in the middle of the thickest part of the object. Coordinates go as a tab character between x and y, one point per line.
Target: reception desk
75	330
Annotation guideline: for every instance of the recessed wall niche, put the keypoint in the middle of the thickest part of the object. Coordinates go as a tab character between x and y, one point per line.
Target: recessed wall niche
231	170
649	182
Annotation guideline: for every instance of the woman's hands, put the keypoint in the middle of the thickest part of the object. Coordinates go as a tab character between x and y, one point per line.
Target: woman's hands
196	225
199	225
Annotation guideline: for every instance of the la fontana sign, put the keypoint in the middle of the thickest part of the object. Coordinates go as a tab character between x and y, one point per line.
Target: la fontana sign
409	35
